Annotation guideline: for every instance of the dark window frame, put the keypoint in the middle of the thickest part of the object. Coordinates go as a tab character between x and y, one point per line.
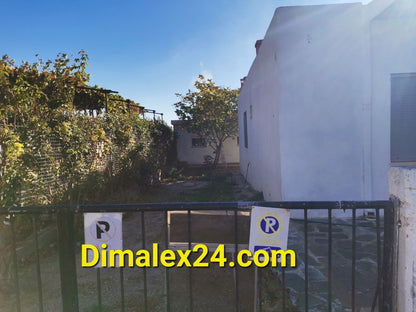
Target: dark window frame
202	144
403	118
245	130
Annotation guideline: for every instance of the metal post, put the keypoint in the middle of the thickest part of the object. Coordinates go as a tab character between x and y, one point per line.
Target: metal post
69	288
237	288
379	270
305	220
167	240
38	273
122	289
15	263
191	296
353	259
99	293
146	308
389	267
256	290
329	260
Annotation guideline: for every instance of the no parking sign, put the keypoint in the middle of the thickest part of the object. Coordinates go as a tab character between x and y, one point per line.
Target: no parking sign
269	229
103	228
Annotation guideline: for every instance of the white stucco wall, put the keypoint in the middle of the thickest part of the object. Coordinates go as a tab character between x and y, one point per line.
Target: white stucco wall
195	155
320	95
321	100
260	162
393	50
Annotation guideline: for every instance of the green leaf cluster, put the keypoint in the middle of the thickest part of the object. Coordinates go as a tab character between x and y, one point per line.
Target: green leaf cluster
55	136
210	111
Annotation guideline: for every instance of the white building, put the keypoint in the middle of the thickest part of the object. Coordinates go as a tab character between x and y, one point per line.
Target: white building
192	149
328	88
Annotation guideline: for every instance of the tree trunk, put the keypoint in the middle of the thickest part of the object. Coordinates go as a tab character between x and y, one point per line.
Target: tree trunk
217	154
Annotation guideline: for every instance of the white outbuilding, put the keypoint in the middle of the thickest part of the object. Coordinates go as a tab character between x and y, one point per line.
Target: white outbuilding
193	149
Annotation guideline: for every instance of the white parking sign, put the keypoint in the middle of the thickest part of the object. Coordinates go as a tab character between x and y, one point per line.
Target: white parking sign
269	229
103	228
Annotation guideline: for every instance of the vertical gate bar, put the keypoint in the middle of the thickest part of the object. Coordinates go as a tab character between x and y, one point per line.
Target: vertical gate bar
259	282
144	268
167	269
39	278
100	307
305	221
191	297
122	288
67	261
378	291
256	289
389	266
329	260
237	291
284	288
353	260
15	271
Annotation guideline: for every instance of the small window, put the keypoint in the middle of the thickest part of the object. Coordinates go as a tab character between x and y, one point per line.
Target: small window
199	142
245	131
403	118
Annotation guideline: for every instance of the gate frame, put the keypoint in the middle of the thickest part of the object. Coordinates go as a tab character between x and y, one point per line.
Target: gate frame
387	281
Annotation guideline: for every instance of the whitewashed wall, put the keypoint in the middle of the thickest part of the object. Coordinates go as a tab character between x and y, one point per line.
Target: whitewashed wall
393	50
195	155
319	91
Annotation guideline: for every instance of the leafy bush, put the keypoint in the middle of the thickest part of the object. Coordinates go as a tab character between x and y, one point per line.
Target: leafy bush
62	141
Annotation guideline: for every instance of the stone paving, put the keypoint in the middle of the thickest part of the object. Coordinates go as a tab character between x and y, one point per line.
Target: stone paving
366	264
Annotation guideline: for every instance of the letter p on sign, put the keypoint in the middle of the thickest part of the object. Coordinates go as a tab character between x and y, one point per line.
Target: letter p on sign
103	228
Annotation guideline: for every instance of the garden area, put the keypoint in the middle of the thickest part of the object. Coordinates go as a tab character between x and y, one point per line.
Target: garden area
63	142
213	288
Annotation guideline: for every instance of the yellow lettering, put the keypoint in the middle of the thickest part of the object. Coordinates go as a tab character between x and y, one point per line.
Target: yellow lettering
84	256
121	254
184	258
155	255
143	258
168	255
283	257
244	264
104	255
256	258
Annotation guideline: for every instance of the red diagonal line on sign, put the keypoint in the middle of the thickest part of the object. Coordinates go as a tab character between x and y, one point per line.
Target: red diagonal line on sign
270	226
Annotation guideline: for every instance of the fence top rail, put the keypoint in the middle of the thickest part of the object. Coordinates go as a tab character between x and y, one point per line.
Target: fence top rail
184	206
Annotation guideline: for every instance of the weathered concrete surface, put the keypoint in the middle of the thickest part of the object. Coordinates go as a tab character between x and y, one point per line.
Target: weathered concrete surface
402	184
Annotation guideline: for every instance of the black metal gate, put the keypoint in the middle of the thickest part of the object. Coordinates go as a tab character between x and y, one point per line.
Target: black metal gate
320	282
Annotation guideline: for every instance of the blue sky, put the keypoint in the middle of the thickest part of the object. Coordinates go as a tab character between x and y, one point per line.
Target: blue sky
146	50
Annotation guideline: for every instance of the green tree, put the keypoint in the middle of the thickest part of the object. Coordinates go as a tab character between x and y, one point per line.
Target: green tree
56	134
211	112
32	99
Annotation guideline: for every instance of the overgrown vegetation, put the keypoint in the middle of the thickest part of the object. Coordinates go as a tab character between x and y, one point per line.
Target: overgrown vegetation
61	141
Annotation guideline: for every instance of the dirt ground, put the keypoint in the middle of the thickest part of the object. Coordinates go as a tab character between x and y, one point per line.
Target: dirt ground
207	289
